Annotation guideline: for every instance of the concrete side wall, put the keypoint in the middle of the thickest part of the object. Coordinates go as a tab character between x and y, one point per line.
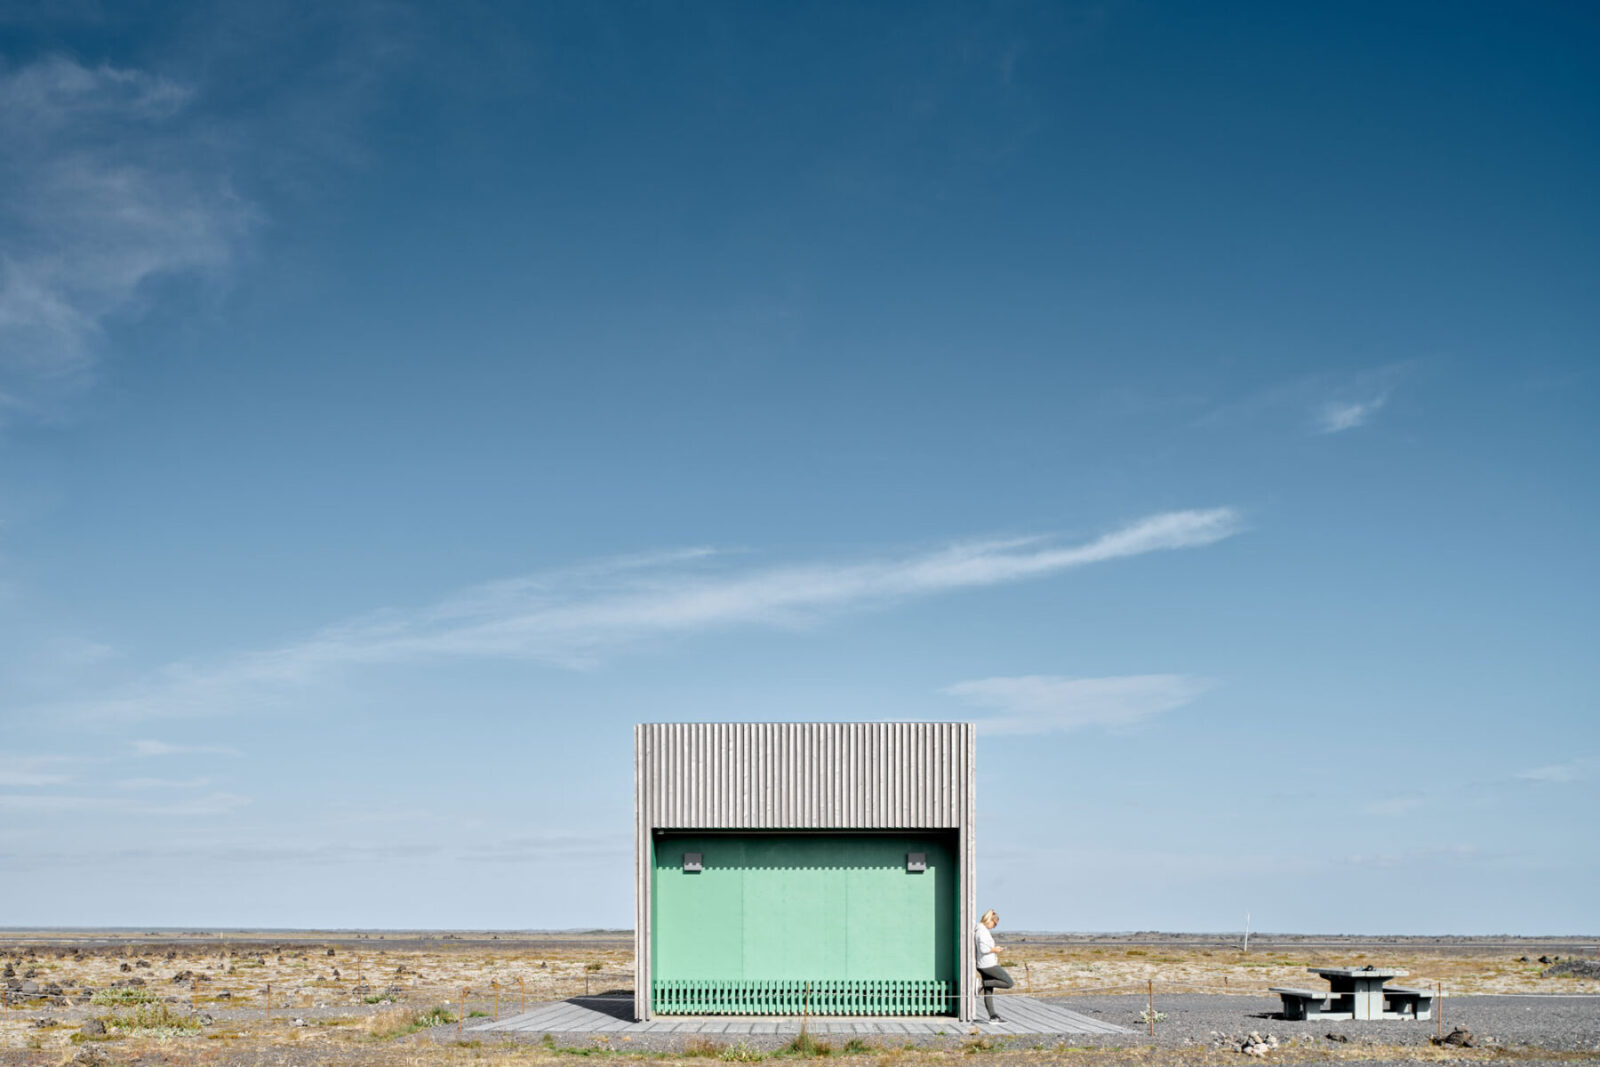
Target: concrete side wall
800	776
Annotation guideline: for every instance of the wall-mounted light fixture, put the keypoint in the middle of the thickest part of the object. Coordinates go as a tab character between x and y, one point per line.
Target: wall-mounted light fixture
692	863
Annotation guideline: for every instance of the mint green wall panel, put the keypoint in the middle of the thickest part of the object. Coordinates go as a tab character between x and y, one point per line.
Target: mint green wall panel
771	914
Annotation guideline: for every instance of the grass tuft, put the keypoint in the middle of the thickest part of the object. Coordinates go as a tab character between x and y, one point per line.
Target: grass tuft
403	1021
806	1047
157	1020
702	1047
126	995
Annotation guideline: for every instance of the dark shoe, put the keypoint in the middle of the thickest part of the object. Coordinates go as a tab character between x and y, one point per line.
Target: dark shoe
996	1019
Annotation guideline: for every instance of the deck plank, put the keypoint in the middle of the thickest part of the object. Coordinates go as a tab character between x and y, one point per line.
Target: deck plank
1024	1016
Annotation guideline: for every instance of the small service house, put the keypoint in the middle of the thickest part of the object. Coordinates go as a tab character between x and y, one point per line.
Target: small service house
789	868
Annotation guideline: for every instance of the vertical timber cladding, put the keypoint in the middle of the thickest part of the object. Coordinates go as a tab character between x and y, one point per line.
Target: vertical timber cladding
804	899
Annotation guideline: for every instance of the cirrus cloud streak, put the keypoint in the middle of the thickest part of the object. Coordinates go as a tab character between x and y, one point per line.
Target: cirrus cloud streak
1042	703
577	617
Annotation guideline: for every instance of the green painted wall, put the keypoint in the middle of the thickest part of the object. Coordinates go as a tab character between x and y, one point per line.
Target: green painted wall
809	907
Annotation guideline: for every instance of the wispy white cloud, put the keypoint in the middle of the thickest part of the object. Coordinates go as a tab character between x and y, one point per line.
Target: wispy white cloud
166	748
574	618
1424	854
162	783
107	189
50	803
30	771
1575	770
1336	416
1334	402
1042	703
1399	804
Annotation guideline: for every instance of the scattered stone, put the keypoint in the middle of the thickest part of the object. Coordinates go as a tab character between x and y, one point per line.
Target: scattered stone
336	974
31	972
1256	1045
1460	1037
9	972
299	1022
1545	960
330	952
124	967
205	1018
1522	959
224	995
1334	1035
141	963
30	987
43	1024
93	1028
90	1056
1578	968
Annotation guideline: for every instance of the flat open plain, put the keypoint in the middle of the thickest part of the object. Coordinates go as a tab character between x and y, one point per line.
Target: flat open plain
199	997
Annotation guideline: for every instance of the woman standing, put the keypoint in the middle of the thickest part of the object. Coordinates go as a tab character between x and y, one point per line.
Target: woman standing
994	975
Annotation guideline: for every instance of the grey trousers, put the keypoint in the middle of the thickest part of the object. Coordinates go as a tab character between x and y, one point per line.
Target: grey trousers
993	978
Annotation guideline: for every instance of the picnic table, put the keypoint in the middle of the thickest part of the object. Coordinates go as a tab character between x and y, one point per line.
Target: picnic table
1356	993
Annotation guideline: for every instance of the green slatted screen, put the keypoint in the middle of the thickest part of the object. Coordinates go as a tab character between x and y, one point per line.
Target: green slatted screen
909	996
773	921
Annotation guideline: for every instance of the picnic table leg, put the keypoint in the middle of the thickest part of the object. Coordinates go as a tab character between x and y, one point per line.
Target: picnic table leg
1369	999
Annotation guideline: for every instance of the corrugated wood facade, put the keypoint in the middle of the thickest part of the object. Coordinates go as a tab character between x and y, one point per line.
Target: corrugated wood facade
802	776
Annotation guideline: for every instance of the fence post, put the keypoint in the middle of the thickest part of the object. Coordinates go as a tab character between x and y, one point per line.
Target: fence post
1438	1009
522	988
1150	988
495	985
461	1015
194	994
269	1002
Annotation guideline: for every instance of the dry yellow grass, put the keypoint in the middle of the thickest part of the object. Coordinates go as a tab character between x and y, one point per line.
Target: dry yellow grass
1074	969
362	1004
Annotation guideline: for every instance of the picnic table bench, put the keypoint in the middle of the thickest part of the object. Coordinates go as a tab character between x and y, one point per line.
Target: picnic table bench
1356	993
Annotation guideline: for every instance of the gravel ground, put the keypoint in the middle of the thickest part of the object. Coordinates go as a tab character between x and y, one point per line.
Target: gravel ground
1558	1024
1551	1023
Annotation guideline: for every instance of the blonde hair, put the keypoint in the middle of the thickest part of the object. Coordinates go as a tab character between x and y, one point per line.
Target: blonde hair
990	914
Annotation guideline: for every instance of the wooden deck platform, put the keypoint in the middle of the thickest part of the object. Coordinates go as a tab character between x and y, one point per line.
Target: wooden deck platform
1024	1017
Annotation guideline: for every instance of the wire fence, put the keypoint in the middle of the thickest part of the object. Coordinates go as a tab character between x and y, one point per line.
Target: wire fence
507	994
204	991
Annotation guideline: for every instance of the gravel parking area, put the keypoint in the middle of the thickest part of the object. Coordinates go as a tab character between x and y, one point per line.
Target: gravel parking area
1203	1021
1554	1023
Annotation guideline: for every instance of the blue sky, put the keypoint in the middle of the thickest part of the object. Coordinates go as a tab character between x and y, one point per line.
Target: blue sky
399	402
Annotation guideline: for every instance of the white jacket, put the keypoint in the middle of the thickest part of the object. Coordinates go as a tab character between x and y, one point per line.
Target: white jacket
985	947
